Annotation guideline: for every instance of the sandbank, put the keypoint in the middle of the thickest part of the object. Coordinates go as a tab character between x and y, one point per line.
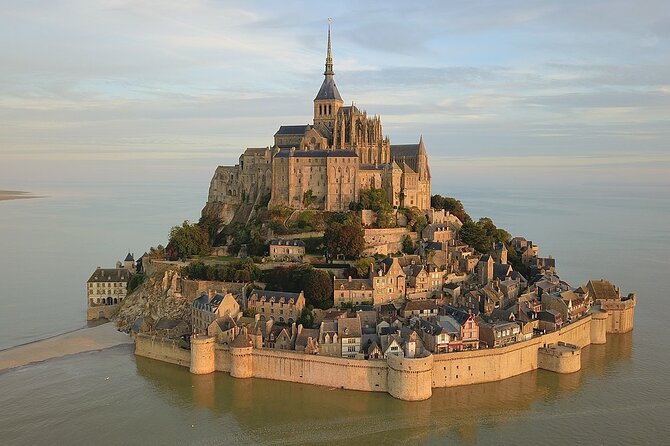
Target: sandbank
6	195
78	341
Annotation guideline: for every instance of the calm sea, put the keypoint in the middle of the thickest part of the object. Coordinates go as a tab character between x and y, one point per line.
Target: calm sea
595	226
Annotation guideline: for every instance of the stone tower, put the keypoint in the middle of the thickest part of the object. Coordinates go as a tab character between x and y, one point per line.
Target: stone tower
328	100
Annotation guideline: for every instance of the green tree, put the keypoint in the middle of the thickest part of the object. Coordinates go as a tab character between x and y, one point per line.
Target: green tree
407	245
318	288
211	224
344	235
362	266
475	236
187	240
452	205
416	219
135	281
306	318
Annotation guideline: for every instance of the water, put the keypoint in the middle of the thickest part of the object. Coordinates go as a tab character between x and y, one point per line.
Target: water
594	226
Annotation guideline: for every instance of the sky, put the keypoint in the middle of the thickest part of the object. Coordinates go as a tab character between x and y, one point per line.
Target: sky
89	86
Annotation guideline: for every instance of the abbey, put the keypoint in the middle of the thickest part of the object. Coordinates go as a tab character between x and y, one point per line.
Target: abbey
325	165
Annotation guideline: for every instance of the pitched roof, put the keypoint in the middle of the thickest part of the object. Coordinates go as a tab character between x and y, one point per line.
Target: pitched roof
276	294
353	284
292	129
110	275
603	289
280	242
328	89
400	150
414	305
285	153
349	327
129	258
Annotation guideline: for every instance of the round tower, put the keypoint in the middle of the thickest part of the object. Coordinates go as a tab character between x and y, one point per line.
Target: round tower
410	379
241	360
202	354
598	326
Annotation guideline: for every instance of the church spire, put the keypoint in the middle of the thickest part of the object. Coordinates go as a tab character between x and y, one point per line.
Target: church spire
329	56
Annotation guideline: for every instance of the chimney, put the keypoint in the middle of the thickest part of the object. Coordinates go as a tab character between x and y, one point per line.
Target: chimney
349	279
211	293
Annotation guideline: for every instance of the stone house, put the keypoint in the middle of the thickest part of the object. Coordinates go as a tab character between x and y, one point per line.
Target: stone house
352	291
287	250
107	286
439	232
329	341
224	329
549	320
350	335
307	340
211	306
416	279
420	308
388	281
485	269
280	306
499	334
171	328
568	303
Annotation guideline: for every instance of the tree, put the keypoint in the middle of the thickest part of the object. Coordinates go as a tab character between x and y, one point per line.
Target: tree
306	318
452	205
362	266
318	288
344	235
416	219
308	198
187	240
407	245
211	224
475	236
376	200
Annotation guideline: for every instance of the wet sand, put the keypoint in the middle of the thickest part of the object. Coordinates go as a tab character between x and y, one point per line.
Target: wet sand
79	341
16	195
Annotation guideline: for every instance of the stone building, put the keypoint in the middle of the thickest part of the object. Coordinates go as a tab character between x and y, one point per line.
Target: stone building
107	286
290	250
323	165
279	306
211	306
352	291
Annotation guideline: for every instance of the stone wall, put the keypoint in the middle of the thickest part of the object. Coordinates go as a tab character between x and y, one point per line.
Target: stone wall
162	349
404	378
102	311
386	241
191	289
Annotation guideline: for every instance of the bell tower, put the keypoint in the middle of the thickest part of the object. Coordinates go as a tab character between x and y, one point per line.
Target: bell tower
328	100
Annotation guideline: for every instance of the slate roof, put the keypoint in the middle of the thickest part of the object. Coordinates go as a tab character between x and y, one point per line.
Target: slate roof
276	294
328	89
400	150
501	271
414	305
110	275
293	129
287	242
354	284
283	153
349	327
129	258
449	324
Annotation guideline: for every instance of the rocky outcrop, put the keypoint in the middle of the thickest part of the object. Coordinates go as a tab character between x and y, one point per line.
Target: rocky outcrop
160	296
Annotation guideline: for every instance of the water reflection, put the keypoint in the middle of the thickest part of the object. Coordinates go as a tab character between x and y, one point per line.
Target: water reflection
275	411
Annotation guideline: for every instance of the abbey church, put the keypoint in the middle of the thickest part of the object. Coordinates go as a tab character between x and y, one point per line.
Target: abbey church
324	165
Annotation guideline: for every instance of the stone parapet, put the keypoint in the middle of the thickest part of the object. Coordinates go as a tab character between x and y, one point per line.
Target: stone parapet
560	358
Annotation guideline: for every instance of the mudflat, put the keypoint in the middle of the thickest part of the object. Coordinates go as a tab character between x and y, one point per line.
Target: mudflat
16	195
79	341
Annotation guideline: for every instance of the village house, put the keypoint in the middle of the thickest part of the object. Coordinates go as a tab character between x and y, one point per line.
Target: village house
568	303
280	306
211	306
469	327
287	250
329	342
420	308
550	320
350	335
485	269
352	291
437	232
224	329
499	334
388	281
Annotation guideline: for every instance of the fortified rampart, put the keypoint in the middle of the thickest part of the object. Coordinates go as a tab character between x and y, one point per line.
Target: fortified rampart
409	379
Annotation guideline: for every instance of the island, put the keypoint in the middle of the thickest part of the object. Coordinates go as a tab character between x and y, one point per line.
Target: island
325	259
